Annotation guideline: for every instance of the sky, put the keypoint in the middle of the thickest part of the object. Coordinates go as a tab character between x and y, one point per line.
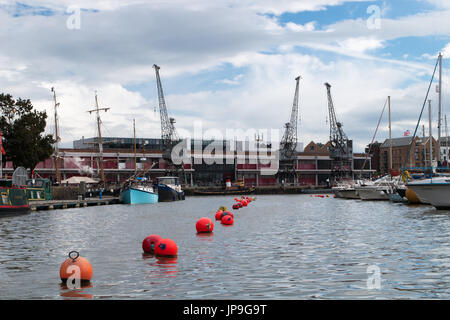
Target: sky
227	64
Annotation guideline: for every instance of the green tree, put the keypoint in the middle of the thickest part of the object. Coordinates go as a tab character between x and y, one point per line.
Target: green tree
23	130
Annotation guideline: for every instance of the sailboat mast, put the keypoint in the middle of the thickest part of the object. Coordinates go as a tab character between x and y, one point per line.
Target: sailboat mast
439	110
430	135
56	138
134	133
100	140
390	134
446	139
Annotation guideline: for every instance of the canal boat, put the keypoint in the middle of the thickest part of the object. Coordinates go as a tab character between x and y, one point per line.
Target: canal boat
435	191
39	189
169	189
138	191
13	200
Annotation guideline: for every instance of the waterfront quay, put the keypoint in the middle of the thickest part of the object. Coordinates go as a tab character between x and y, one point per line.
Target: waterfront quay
66	204
313	164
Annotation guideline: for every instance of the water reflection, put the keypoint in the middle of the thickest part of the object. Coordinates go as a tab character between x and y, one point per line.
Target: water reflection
69	294
208	237
168	266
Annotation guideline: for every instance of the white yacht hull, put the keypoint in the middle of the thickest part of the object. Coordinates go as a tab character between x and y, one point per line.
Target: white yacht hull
348	194
372	194
437	194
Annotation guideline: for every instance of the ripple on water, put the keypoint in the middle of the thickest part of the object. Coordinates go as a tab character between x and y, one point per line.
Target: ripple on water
280	247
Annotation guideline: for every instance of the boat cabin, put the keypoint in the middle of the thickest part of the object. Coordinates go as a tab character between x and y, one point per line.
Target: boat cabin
168	180
39	189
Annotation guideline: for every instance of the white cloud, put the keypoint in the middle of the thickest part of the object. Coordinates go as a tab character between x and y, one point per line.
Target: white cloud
361	44
117	47
310	26
446	51
234	81
439	3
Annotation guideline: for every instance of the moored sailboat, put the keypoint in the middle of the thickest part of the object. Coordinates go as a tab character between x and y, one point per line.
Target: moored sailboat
138	190
435	191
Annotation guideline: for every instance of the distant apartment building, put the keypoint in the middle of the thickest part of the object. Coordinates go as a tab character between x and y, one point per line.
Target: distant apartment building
419	154
445	149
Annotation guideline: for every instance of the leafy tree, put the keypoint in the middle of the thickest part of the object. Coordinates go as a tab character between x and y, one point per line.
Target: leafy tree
23	130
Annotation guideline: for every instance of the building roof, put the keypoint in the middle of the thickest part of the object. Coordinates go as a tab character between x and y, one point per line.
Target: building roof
397	142
77	180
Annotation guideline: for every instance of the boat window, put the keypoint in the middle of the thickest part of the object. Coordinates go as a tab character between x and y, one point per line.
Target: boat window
168	180
37	183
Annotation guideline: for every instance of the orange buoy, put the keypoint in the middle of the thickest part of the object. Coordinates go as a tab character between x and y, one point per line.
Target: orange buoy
76	267
149	243
219	215
227	220
204	225
412	196
166	248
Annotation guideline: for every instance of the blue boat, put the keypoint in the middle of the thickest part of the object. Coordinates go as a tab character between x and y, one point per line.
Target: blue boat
138	192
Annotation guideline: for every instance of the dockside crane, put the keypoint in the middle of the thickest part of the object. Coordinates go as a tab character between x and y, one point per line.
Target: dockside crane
169	134
288	144
341	148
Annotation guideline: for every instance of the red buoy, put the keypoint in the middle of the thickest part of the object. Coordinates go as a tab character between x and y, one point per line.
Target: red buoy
226	213
149	243
236	206
76	267
244	203
204	225
227	220
219	215
166	248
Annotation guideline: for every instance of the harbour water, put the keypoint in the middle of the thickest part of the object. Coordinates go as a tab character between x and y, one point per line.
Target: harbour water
280	247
